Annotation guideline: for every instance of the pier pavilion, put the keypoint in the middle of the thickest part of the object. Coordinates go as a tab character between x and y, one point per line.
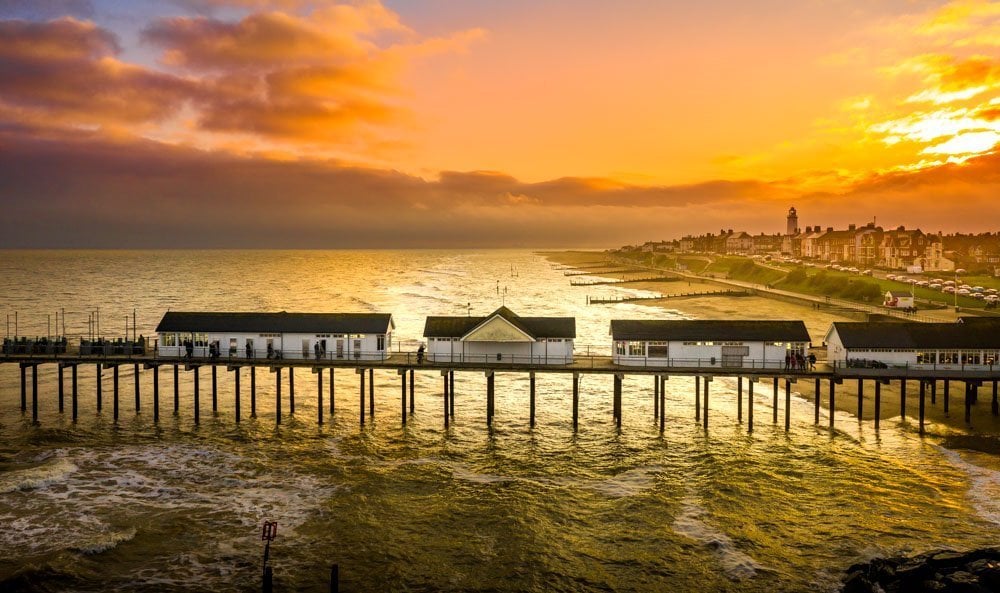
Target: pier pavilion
500	337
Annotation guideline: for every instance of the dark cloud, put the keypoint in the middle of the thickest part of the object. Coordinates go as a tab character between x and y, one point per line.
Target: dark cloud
60	190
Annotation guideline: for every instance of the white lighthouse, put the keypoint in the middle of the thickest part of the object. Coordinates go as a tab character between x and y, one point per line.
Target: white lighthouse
793	222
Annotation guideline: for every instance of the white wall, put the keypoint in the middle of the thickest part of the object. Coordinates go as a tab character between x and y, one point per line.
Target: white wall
681	354
290	346
510	352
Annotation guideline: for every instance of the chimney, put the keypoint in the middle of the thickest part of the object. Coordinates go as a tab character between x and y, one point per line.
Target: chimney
829	229
852	227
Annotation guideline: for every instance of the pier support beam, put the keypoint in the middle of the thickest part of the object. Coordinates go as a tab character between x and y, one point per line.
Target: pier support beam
413	381
451	392
74	392
878	402
617	403
933	383
833	401
34	394
861	399
923	390
576	400
531	399
739	399
774	407
319	397
816	403
215	389
902	400
371	393
704	417
24	387
235	370
291	391
277	394
402	397
490	398
788	403
156	391
115	392
99	382
697	398
361	375
663	402
177	391
253	391
947	395
333	391
968	402
197	396
656	398
61	389
750	382
445	389
135	385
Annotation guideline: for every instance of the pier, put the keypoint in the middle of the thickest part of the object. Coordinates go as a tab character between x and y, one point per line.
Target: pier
405	366
631	299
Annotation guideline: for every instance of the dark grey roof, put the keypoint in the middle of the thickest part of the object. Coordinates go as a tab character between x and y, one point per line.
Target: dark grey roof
714	330
289	323
907	335
536	327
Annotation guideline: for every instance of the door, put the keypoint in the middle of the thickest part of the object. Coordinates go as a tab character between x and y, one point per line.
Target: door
732	356
340	348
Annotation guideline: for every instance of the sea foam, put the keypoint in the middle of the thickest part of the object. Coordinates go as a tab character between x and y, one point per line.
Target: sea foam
735	564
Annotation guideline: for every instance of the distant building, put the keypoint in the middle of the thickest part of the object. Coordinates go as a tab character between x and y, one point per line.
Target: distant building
792	222
971	344
500	337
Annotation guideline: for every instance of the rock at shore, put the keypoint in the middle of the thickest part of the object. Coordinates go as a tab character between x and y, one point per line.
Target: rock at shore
977	571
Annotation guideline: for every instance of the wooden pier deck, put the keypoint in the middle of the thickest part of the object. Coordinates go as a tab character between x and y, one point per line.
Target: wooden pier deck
405	365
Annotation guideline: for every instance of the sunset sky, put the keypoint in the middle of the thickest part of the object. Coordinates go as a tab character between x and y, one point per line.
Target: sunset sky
469	123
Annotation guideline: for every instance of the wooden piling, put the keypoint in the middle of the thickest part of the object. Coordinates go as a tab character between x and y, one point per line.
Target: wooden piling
750	383
833	401
34	394
445	391
933	383
788	404
774	406
177	391
135	385
61	389
697	398
531	399
861	398
371	393
617	403
253	391
656	398
361	374
197	396
402	384
878	402
115	392
451	392
968	403
923	389
947	395
156	393
490	398
413	381
236	393
99	380
74	392
704	416
739	399
902	399
663	403
576	402
277	395
333	392
24	388
215	390
319	397
291	391
816	403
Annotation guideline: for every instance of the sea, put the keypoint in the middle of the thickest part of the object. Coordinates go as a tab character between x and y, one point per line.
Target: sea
174	506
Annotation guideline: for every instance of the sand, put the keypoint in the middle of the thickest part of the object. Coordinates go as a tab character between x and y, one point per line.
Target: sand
951	425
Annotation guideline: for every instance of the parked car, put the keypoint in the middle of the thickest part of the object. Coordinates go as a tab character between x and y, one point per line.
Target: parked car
948	289
934	286
963	291
867	273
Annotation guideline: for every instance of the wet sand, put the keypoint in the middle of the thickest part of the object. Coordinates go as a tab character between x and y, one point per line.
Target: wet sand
937	423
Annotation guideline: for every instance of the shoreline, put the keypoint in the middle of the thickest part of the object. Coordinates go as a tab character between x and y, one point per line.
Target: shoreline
937	423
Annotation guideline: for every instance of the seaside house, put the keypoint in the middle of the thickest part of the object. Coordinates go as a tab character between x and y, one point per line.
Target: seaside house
330	336
500	337
970	344
707	343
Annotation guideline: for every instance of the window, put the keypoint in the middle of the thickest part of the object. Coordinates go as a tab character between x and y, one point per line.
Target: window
991	357
232	345
620	348
200	340
948	357
380	342
926	357
658	350
636	348
169	339
971	357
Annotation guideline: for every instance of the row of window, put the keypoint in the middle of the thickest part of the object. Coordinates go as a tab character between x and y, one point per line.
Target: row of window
201	339
958	357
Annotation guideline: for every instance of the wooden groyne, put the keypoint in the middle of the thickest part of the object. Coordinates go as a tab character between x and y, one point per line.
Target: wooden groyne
632	299
624	281
615	271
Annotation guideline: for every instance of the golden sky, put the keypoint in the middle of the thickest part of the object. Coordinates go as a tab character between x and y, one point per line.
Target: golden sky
242	123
